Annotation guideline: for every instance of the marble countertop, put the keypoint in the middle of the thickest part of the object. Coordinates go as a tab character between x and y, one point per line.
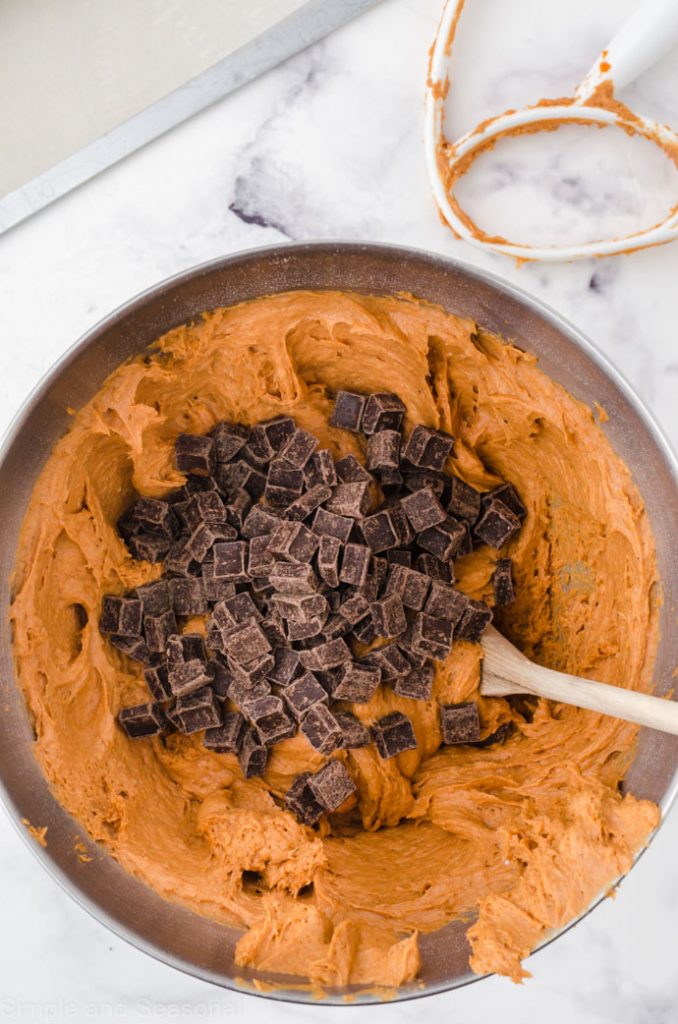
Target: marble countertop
329	145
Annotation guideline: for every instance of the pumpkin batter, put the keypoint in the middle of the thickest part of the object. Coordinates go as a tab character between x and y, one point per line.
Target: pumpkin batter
523	833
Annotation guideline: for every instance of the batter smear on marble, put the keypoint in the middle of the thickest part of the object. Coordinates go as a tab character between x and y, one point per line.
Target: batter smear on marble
517	836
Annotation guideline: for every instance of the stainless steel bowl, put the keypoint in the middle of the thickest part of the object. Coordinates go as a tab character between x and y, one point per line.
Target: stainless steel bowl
131	909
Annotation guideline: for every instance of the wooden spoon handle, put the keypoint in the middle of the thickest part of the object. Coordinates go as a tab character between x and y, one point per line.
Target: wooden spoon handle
506	670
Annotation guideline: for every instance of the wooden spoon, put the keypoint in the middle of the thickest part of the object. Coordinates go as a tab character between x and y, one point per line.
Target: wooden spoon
506	671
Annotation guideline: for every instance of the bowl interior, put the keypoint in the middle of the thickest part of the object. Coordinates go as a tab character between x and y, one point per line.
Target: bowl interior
130	908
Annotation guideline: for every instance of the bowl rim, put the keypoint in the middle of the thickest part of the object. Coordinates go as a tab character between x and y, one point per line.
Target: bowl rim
337	248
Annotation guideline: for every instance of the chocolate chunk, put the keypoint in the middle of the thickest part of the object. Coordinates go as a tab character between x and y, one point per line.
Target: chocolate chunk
284	483
381	530
157	682
473	622
222	678
356	682
442	540
464	500
133	646
293	578
446	603
421	479
227	737
350	471
383	451
230	560
308	502
390	661
186	677
286	666
355	564
302	694
466	542
348	411
259	450
336	626
188	596
363	631
237	476
431	636
149	547
197	711
203	538
273	629
154	597
195	454
506	493
329	524
460	723
216	589
246	643
298	448
185	647
158	629
434	568
259	521
241	691
294	542
180	561
278	430
354	608
142	720
410	585
270	718
300	800
332	785
121	615
393	734
428	449
239	504
388	616
228	439
382	412
300	607
321	728
354	733
399	556
252	755
304	630
240	608
326	655
260	559
417	685
329	551
349	499
423	509
152	515
497	524
204	507
320	469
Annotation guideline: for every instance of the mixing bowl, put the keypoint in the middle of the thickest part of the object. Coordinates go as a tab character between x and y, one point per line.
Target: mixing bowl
131	909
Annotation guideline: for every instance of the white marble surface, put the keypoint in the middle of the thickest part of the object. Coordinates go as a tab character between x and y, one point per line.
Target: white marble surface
329	145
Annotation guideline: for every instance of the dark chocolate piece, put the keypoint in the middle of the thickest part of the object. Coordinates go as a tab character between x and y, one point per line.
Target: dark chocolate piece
321	728
350	471
329	551
497	524
411	586
241	691
299	799
332	785
154	597
270	718
121	615
230	560
390	481
222	678
142	720
188	596
326	655
446	603
381	530
352	499
329	524
388	616
464	500
227	737
428	449
286	666
393	734
246	642
203	538
259	449
228	440
320	469
186	677
434	568
298	448
363	631
348	411
216	589
133	646
355	564
150	515
180	561
304	630
354	608
254	671
473	622
195	454
442	540
293	578
203	507
423	509
390	661
157	682
294	542
302	694
308	502
356	682
431	636
383	451
197	711
158	629
417	685
259	521
284	483
354	733
300	607
506	493
278	430
239	504
418	480
383	411
240	608
252	755
460	723
260	559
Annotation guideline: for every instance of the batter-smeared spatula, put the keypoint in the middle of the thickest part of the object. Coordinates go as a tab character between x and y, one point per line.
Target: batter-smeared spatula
506	671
